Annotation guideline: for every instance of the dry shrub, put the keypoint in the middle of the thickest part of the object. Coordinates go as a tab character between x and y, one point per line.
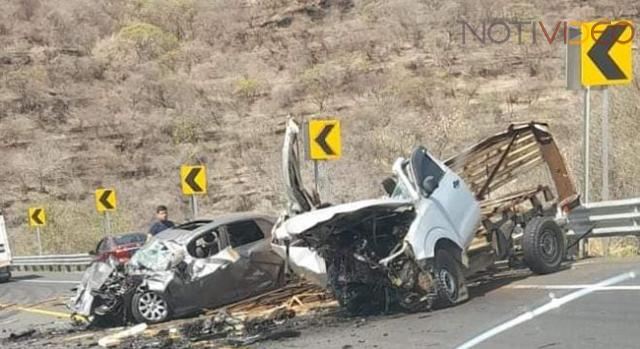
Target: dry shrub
222	24
28	85
173	16
248	89
27	9
135	43
321	82
185	129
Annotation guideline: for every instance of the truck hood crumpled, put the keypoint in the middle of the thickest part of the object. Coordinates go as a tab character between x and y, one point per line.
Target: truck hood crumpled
305	259
304	222
305	213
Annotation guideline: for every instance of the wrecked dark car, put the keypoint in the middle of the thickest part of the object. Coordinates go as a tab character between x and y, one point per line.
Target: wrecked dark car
199	264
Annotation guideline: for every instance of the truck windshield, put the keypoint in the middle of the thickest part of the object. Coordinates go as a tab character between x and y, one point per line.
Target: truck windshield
401	191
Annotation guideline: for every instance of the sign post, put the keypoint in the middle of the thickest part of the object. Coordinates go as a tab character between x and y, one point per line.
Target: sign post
325	143
37	219
604	158
605	145
585	144
193	181
605	60
106	202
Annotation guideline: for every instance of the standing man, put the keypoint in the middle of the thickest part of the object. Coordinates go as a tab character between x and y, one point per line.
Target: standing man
163	222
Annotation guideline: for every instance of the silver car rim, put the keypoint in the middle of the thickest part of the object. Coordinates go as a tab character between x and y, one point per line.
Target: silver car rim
152	307
549	246
449	283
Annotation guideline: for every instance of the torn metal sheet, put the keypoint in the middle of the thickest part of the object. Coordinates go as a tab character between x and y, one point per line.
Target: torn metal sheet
299	224
115	339
298	198
92	280
305	262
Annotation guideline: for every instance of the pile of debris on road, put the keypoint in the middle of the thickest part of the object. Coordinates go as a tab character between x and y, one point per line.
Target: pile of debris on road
278	314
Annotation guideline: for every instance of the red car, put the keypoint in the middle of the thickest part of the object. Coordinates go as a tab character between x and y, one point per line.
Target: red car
121	247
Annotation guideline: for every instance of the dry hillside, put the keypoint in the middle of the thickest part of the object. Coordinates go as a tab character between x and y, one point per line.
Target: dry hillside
120	93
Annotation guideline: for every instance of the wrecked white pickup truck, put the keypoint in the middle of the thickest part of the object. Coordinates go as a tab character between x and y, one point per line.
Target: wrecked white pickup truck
440	222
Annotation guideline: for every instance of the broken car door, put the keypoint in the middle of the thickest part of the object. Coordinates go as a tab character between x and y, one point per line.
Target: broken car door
258	266
207	277
448	191
298	198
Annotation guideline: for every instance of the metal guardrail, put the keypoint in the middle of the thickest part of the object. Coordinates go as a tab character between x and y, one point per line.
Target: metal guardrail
606	218
71	262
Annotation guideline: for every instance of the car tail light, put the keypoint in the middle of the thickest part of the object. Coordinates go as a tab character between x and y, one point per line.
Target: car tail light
122	255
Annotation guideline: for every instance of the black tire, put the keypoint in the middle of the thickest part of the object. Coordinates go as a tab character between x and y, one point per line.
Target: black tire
143	311
543	245
449	280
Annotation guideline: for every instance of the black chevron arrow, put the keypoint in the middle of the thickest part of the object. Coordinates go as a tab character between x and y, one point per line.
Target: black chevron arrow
599	53
104	199
322	139
36	216
191	179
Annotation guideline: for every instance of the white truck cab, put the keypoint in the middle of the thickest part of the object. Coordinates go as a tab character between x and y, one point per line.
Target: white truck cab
5	252
445	207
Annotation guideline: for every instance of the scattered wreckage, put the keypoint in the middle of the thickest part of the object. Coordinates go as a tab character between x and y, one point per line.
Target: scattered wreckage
441	222
199	264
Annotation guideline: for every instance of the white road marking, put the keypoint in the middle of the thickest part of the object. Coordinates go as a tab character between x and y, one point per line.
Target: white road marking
554	303
38	281
576	287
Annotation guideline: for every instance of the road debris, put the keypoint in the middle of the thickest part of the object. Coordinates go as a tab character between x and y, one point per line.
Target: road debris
13	337
113	340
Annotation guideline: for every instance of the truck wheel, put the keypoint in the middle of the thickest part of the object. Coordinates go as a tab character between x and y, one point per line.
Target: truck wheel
150	307
543	245
448	278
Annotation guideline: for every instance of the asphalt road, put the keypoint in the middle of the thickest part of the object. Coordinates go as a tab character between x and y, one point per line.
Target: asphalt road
604	317
34	300
607	318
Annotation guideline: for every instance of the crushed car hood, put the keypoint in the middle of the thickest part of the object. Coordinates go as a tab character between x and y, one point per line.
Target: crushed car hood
303	222
93	278
306	261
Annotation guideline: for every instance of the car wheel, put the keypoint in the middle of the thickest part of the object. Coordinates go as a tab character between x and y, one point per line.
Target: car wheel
150	307
448	278
543	245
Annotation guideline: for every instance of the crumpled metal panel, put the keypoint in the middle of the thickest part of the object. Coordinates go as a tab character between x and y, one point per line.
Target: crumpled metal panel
92	279
500	159
299	200
203	267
